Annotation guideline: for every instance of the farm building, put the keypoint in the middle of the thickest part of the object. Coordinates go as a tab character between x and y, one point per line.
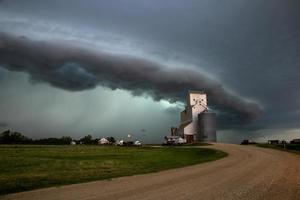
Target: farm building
198	124
103	141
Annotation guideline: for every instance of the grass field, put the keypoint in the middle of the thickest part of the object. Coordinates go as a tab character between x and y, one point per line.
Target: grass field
26	167
294	148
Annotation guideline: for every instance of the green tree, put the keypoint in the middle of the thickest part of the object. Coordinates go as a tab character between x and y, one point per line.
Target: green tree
87	139
111	140
66	140
5	137
9	137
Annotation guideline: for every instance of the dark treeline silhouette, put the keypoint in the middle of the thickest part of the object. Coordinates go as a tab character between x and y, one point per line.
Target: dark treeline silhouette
57	141
10	137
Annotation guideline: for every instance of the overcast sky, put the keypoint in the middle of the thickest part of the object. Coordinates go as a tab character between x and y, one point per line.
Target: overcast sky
113	67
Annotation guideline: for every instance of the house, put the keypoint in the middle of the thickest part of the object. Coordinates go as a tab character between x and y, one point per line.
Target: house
103	141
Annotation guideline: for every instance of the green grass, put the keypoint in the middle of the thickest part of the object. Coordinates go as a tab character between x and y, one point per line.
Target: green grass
294	148
26	167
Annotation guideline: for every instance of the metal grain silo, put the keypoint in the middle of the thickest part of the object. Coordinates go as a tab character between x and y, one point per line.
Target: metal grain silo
207	127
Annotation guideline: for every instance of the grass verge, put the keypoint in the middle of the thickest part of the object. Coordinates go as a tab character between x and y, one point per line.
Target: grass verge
293	148
27	167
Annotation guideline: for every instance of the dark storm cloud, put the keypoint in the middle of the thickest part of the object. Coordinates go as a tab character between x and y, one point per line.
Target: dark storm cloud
3	124
173	110
76	68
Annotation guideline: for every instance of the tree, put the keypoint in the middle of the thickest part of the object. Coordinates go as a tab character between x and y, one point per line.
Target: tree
111	140
5	137
87	139
66	140
9	137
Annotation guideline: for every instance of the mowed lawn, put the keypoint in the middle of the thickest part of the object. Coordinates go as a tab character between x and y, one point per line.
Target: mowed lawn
26	167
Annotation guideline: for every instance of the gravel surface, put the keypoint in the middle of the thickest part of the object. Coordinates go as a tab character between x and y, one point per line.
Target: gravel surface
248	172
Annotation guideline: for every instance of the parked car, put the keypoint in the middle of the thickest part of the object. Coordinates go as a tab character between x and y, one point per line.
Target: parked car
174	140
120	143
137	143
123	143
245	142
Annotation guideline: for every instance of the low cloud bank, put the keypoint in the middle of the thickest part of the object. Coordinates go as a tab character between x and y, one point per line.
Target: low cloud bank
75	68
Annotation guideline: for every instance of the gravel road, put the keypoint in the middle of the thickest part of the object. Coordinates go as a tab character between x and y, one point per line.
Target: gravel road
247	173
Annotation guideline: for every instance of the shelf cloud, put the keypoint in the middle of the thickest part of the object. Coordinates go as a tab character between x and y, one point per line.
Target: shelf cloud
77	68
3	124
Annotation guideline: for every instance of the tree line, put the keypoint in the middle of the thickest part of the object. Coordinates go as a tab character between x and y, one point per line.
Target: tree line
10	137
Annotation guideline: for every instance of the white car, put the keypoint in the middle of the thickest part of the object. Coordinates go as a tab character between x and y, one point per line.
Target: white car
137	143
180	141
120	143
